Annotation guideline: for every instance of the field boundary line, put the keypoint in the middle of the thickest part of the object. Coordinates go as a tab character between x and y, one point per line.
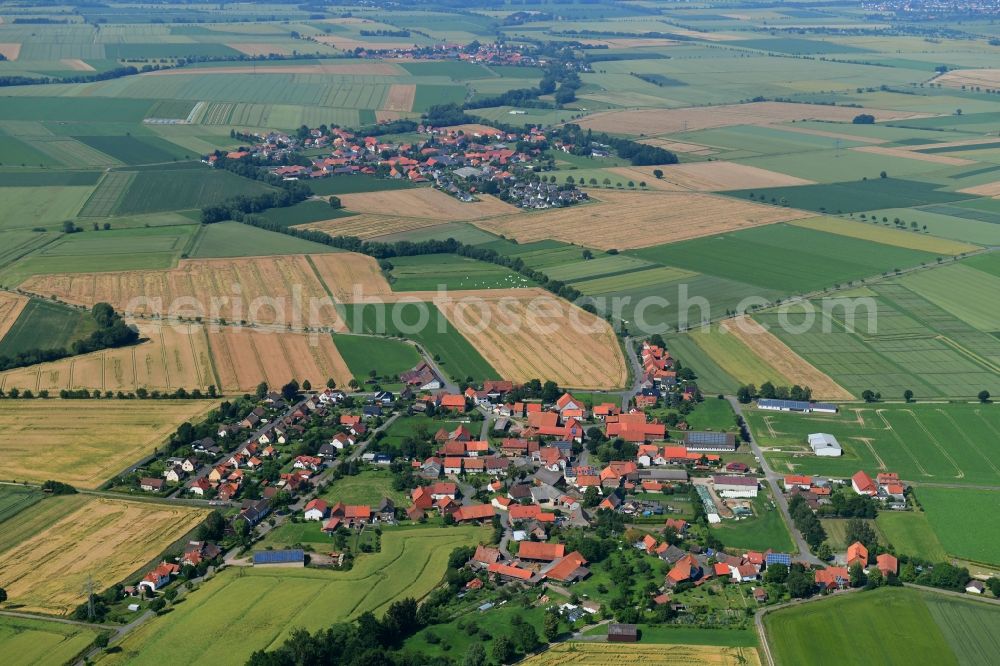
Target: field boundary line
968	439
868	442
166	364
899	440
937	443
315	270
211	360
194	242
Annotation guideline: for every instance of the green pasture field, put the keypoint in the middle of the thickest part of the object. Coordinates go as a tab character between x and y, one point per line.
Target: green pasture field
712	414
944	225
948	287
17	244
163	50
910	533
795	46
31	207
46	325
731	353
856	196
429	95
922	442
86	109
895	340
457	356
356	183
971	627
712	377
783	257
171	108
455	641
368	487
966	521
114	249
233	239
600	265
429	271
109	193
15	152
886	626
416	425
838	166
182	189
39	516
457	70
275	602
765	530
136	149
988	263
14	499
24	641
836	532
388	358
460	231
304	213
632	280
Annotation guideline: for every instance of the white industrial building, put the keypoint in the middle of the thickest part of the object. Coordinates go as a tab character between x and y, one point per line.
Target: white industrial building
737	487
775	405
825	444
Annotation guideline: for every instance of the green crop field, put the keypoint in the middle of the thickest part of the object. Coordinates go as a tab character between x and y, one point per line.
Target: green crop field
24	641
932	443
856	196
966	521
46	325
365	488
48	178
303	213
351	184
136	149
181	189
233	239
887	626
457	356
971	628
417	425
46	207
14	499
765	530
460	231
277	601
784	257
429	272
388	358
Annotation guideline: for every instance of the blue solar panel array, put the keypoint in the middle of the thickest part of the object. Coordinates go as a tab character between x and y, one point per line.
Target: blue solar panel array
278	556
794	405
716	438
778	558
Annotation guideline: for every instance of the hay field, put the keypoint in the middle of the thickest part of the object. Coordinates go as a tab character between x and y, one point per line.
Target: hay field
425	202
653	218
709	177
106	539
258	48
85	442
367	225
11	306
671	121
832	135
10	50
257	289
400	97
680	146
347	273
886	235
77	65
779	356
970	78
245	357
541	337
173	357
909	154
617	654
985	190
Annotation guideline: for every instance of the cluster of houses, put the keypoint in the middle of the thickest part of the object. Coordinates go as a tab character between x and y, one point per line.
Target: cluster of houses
195	553
886	487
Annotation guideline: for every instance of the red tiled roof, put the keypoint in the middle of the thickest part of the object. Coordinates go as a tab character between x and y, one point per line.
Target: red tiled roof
532	550
566	566
475	512
509	571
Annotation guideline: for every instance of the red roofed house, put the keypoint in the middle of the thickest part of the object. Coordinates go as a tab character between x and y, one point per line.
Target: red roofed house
685	569
453	401
797	481
509	572
442	489
857	553
648	543
421	497
863	484
159	576
832	577
634	428
315	510
569	569
475	512
542	552
887	564
679	524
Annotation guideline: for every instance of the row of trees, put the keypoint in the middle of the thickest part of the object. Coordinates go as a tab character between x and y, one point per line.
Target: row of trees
749	392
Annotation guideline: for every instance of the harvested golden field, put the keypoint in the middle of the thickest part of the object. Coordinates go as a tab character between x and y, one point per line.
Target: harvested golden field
10	50
258	48
653	218
425	202
778	355
246	357
400	97
524	337
680	146
985	190
832	135
85	442
255	289
362	69
669	121
970	78
10	309
617	654
103	540
886	235
77	65
367	225
346	274
908	154
172	357
715	176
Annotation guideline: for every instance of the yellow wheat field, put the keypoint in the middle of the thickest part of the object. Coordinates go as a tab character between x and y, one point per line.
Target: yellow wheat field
616	654
780	356
367	225
542	336
425	202
886	235
713	176
85	442
626	220
10	309
400	97
100	543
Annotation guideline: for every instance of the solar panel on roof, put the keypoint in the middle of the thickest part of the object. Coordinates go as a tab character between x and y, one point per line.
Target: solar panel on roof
278	556
779	558
706	437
